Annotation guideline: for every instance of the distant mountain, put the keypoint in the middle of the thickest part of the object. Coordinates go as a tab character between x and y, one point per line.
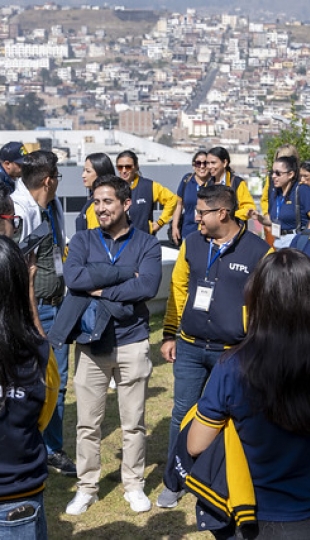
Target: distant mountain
257	9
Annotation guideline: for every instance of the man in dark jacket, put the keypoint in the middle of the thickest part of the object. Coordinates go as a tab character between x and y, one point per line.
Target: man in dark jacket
206	301
120	344
11	160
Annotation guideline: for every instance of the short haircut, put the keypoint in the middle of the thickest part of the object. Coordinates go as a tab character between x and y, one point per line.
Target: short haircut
120	186
37	166
219	196
6	203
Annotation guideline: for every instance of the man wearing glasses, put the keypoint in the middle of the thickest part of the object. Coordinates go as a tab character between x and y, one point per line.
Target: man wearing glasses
206	301
35	201
145	193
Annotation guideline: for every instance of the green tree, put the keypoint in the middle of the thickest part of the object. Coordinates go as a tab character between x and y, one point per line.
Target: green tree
297	133
29	111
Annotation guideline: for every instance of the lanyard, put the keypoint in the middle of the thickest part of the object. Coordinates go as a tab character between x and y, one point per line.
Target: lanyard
221	250
280	201
114	258
51	218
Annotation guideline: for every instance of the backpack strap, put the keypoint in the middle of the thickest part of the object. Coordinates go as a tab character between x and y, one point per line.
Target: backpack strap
185	180
297	210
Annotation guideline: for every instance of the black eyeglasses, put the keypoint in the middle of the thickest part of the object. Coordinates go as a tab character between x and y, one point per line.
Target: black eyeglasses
279	173
58	176
199	163
202	213
15	220
126	167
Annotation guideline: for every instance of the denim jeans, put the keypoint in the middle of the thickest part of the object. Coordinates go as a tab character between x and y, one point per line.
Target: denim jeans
191	370
53	436
27	528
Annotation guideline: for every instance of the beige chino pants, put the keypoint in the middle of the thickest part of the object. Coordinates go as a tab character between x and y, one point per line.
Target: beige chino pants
131	367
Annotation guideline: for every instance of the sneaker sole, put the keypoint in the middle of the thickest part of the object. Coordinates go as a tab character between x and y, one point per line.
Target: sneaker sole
84	508
51	468
134	509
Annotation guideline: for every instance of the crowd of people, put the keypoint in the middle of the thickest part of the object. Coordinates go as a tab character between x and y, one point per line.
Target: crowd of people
236	330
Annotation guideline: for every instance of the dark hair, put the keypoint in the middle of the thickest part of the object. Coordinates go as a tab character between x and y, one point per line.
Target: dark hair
6	203
291	164
219	195
120	186
221	153
37	165
130	154
204	152
19	338
305	165
274	354
101	163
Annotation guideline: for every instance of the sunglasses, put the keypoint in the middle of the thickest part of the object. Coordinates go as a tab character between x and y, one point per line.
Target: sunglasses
200	163
15	220
126	167
279	173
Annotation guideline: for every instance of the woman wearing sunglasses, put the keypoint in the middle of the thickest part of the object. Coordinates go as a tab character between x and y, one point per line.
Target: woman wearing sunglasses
288	204
183	221
144	193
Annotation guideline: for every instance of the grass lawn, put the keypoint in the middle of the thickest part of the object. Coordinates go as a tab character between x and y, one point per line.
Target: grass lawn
112	518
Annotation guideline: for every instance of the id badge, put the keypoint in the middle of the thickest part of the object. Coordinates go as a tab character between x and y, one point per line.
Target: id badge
57	261
204	294
276	229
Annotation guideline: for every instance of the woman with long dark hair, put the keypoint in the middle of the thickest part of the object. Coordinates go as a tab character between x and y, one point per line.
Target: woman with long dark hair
97	164
263	386
29	384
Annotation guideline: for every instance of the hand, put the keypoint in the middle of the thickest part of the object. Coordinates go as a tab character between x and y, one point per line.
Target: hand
168	350
155	227
98	292
176	236
32	268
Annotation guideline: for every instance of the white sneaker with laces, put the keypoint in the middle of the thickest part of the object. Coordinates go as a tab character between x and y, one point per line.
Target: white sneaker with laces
138	501
80	503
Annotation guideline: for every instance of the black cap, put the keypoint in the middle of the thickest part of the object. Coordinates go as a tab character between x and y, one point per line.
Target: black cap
13	152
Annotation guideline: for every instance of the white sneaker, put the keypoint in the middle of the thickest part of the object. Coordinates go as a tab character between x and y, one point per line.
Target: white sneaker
80	503
112	383
138	501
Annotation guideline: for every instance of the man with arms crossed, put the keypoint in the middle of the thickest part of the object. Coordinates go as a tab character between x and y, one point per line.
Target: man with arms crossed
121	349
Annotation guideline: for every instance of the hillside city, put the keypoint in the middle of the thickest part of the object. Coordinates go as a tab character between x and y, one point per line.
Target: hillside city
189	80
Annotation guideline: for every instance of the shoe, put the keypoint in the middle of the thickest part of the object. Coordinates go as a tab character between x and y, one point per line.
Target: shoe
61	463
80	503
168	498
138	501
112	383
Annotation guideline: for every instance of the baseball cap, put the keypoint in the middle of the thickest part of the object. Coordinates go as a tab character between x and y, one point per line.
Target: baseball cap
13	152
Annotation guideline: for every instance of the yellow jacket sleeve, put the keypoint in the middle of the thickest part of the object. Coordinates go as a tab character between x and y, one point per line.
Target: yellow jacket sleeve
264	203
167	199
178	293
52	382
91	218
245	201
